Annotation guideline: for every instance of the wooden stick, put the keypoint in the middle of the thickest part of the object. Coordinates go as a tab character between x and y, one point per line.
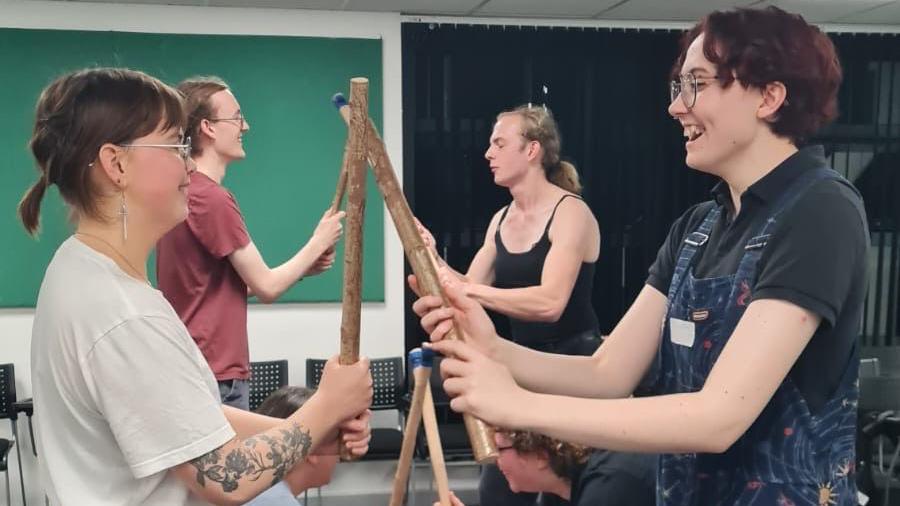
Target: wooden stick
435	450
420	361
481	436
356	204
344	109
342	180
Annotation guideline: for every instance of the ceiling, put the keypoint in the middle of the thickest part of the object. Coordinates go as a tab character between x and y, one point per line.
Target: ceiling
862	12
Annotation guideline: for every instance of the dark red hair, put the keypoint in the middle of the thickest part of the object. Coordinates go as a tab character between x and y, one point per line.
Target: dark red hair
762	46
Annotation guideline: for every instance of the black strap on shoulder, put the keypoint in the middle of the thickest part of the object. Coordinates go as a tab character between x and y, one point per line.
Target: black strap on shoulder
553	214
503	216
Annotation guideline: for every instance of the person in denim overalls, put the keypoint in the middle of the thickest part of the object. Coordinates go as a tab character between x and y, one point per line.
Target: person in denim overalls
741	347
788	455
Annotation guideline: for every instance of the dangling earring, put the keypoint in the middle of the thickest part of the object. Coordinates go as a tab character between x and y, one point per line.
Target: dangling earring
123	212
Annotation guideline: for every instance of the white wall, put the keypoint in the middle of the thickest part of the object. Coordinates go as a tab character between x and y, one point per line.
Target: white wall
291	331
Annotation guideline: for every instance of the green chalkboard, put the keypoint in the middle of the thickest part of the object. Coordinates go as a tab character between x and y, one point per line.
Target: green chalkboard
294	145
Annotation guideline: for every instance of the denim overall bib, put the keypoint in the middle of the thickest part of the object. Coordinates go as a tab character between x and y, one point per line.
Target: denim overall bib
789	456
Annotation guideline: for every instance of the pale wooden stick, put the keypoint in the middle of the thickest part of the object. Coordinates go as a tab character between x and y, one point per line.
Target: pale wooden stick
420	361
435	450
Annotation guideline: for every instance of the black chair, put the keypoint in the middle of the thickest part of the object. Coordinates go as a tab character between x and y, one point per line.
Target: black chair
265	378
27	406
387	379
879	423
7	410
5	446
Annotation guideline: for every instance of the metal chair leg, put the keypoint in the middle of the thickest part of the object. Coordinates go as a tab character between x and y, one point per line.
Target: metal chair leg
15	433
31	434
8	497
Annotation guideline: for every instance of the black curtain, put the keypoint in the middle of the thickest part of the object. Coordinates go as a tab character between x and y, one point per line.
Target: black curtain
608	89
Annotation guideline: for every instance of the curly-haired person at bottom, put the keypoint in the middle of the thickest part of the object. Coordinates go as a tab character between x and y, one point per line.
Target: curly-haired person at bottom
579	475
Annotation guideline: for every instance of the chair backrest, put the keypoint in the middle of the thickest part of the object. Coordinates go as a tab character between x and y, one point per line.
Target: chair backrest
887	358
7	390
387	379
265	378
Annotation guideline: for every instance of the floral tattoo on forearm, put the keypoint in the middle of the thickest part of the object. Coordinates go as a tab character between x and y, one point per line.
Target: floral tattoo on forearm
253	458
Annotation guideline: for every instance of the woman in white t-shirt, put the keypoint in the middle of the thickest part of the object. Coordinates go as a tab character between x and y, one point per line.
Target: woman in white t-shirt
126	409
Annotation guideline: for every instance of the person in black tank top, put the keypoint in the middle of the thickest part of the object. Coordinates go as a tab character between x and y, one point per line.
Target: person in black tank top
520	270
536	265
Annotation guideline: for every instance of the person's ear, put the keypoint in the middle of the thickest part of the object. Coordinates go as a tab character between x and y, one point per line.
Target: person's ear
207	129
543	460
534	150
774	97
111	162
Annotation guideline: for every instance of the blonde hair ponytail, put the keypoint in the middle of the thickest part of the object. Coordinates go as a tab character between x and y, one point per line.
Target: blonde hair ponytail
538	125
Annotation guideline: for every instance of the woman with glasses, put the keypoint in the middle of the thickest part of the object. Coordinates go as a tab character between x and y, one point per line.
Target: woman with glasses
128	411
536	264
744	337
206	264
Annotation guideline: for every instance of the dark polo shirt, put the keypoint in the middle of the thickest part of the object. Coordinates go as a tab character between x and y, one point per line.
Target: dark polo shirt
815	258
611	479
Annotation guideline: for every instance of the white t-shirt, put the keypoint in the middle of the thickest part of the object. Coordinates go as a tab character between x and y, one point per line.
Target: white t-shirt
121	391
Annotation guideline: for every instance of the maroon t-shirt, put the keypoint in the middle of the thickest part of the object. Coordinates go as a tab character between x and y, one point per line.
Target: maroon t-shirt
196	276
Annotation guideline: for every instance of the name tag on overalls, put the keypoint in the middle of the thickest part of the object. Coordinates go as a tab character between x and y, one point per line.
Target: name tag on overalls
681	332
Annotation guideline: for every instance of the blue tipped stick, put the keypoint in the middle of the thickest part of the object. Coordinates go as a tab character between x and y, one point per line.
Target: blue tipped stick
415	358
421	357
427	357
338	100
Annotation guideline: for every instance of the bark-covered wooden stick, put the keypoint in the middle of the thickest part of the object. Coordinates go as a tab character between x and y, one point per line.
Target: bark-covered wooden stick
356	205
344	108
481	436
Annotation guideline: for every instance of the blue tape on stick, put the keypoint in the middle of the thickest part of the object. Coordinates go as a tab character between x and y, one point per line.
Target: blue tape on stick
427	357
338	100
415	358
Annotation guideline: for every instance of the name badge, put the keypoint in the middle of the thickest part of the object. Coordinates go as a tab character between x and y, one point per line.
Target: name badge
681	332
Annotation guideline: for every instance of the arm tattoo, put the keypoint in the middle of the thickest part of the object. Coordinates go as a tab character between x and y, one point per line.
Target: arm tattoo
254	457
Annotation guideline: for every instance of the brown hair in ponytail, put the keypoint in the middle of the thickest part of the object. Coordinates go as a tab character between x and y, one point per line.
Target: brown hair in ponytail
538	125
77	114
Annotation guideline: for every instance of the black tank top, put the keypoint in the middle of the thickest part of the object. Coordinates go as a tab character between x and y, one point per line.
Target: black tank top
520	270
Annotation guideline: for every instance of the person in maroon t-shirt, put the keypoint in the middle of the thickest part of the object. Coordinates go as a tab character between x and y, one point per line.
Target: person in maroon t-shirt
206	264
